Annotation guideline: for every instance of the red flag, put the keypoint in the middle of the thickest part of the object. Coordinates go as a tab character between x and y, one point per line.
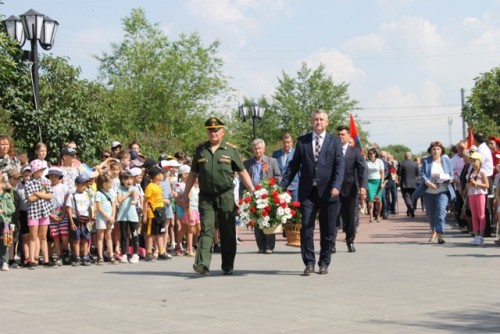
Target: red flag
470	138
354	132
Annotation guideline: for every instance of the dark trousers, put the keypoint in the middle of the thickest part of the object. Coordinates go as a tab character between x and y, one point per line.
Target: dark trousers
407	192
264	241
223	207
390	198
124	228
328	215
349	216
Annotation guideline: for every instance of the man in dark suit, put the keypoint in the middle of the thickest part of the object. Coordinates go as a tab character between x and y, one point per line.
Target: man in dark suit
318	156
408	173
283	156
353	187
262	167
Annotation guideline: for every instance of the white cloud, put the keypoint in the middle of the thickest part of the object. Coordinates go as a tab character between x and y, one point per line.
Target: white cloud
391	7
218	11
338	64
470	21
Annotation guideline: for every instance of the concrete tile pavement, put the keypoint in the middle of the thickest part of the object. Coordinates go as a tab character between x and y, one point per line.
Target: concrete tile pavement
395	283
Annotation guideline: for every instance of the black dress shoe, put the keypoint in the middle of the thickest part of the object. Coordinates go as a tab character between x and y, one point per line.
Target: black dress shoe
334	250
323	270
351	248
309	269
227	271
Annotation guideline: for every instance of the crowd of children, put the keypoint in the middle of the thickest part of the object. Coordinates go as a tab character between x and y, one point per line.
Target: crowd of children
121	211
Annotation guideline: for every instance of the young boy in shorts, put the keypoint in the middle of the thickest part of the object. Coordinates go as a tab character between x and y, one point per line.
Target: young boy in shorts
78	207
58	219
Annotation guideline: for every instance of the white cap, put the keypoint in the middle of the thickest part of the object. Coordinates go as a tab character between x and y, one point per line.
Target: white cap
115	144
169	163
184	169
136	171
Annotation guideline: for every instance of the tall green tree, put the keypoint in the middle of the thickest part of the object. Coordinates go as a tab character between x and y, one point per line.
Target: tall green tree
161	89
70	109
482	107
293	102
15	89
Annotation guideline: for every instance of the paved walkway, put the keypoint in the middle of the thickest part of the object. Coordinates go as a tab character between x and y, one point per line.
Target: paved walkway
396	282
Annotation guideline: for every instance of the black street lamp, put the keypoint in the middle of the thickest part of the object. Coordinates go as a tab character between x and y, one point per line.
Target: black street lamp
254	111
35	27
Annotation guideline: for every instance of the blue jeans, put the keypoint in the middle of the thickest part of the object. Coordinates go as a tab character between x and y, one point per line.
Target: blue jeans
435	205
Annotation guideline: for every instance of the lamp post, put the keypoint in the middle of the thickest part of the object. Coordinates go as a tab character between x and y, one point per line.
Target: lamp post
35	27
255	111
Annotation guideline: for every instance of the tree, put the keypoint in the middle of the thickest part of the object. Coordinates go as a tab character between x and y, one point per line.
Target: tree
70	109
295	99
160	90
14	82
482	107
397	151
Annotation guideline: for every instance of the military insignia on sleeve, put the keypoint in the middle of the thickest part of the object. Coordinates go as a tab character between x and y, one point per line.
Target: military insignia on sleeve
202	160
226	160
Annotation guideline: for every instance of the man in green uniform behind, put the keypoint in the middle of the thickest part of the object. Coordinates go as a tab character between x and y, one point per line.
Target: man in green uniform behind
214	164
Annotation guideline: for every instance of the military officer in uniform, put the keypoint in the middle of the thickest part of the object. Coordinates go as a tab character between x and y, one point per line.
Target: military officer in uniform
214	164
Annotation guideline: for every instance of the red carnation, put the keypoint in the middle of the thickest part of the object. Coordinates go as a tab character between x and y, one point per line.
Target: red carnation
253	209
272	181
258	187
264	196
276	194
277	200
250	223
283	205
248	199
293	212
265	213
267	208
296	204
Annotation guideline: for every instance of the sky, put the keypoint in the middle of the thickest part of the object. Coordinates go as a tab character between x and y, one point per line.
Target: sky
405	61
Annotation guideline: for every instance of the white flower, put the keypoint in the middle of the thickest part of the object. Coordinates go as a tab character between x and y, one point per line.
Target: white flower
285	197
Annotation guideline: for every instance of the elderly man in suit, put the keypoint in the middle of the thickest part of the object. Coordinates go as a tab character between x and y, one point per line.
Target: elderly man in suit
408	173
318	156
353	187
262	167
284	156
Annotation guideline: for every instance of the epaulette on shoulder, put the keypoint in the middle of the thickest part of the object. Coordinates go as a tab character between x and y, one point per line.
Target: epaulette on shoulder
231	145
200	145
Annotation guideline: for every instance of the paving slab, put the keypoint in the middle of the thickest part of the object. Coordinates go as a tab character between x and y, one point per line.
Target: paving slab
396	282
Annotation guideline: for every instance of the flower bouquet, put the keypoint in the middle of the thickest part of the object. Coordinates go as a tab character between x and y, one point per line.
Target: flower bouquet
268	208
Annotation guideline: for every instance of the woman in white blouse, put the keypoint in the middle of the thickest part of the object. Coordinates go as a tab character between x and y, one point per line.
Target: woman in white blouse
375	168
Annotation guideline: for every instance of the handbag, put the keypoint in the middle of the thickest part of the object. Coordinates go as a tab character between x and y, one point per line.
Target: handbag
160	215
81	219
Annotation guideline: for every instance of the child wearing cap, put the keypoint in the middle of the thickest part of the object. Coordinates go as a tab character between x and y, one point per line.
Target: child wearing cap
7	208
477	187
70	172
58	219
127	217
78	206
115	170
105	200
39	195
166	190
155	230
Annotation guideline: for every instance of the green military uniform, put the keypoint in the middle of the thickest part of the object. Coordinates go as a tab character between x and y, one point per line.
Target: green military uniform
216	199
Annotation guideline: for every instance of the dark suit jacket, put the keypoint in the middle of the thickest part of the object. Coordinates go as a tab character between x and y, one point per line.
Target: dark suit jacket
283	166
328	171
408	173
272	168
356	173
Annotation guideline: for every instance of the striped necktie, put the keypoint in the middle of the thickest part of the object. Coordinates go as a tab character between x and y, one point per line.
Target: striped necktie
317	148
